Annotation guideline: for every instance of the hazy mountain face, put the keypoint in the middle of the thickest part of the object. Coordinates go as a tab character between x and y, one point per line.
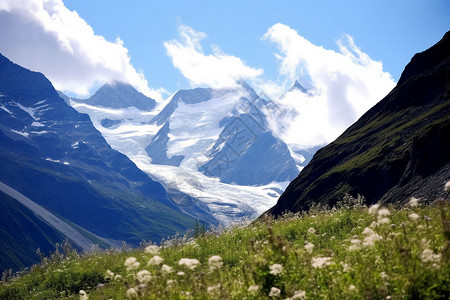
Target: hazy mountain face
120	95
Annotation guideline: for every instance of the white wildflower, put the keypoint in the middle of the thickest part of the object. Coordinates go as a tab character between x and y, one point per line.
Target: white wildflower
311	230
170	283
152	250
370	240
253	289
83	295
109	274
425	242
298	295
155	260
368	231
373	224
352	287
165	269
131	263
413	202
414	216
131	293
384	276
276	269
186	294
213	289
118	277
320	262
274	292
356	245
428	256
384	212
374	209
189	263
447	186
384	221
144	276
345	267
309	247
180	273
215	262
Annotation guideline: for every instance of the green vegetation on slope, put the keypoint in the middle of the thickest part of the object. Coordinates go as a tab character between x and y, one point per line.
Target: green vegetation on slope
22	232
352	252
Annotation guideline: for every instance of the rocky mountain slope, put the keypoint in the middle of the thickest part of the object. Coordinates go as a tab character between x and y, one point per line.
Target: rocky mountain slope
53	155
400	148
205	145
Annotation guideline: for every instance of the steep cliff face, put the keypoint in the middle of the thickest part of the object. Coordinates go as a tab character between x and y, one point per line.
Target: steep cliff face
398	149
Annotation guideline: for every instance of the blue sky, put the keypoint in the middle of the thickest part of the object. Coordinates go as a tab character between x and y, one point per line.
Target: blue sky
387	31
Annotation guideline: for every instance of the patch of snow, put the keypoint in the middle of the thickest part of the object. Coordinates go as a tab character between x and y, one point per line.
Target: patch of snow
5	109
37	124
193	130
40	102
25	134
196	127
52	160
39	132
28	110
228	202
134	132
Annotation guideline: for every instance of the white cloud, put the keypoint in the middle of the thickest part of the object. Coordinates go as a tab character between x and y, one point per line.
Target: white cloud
214	70
347	83
45	36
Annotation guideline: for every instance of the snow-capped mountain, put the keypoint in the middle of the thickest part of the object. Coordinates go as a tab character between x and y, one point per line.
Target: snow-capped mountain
120	95
212	149
303	87
53	156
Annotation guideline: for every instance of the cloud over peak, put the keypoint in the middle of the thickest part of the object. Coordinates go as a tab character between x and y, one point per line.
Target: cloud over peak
214	70
45	36
347	83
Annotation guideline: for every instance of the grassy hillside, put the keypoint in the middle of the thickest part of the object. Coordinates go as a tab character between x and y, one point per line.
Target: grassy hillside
352	252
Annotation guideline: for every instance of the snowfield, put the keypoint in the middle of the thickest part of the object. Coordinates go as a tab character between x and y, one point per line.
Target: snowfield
194	129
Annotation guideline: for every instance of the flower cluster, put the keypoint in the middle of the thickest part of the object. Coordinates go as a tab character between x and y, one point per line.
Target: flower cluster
215	263
189	263
276	269
131	263
321	262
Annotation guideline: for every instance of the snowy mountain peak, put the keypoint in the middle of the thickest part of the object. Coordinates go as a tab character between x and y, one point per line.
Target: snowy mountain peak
120	95
304	87
213	149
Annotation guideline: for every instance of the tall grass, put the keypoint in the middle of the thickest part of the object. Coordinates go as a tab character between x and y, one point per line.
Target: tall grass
353	252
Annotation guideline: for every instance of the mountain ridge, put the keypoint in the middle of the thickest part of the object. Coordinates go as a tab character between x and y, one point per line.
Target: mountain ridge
117	94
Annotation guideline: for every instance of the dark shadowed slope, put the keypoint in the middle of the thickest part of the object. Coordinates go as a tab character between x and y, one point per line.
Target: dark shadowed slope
53	155
398	149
